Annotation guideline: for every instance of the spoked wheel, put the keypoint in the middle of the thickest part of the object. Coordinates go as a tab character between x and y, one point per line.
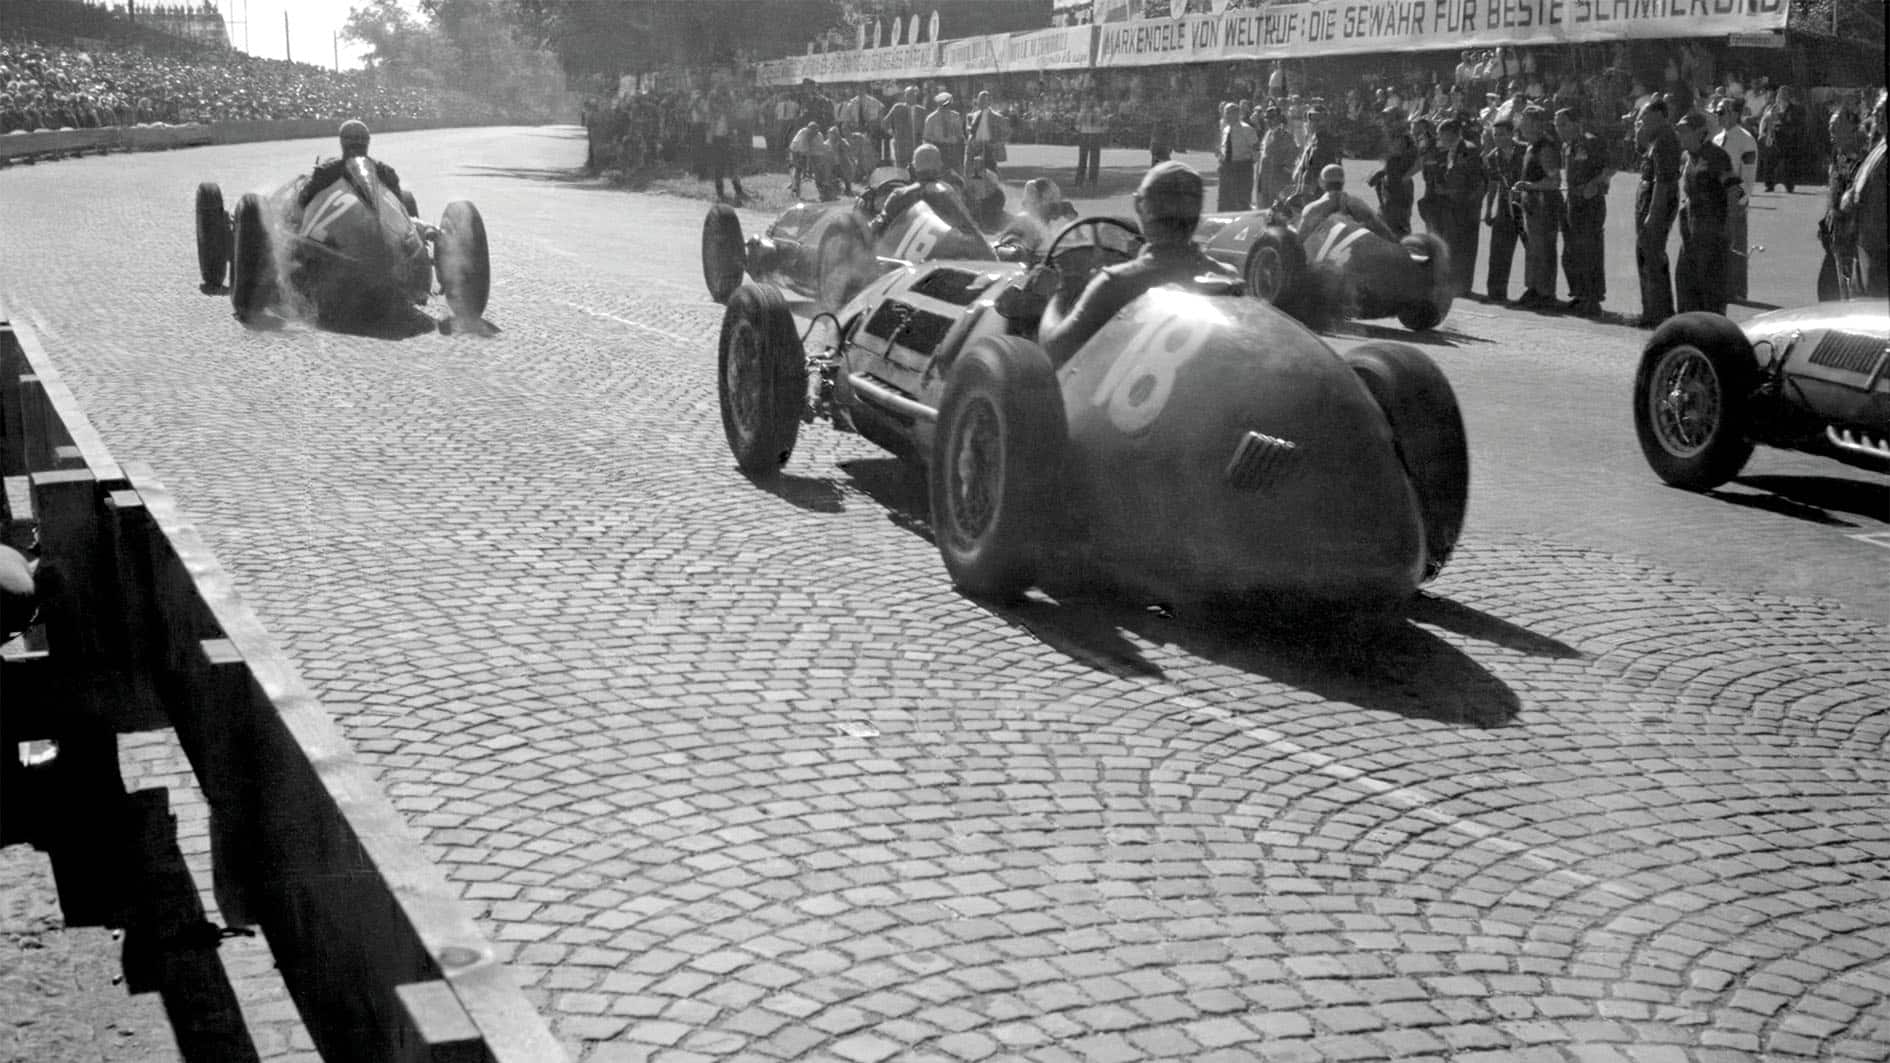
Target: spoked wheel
462	260
995	463
1276	270
1427	425
762	379
253	265
213	238
723	253
1690	400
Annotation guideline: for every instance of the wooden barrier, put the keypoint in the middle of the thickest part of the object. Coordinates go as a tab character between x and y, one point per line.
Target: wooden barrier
46	143
145	628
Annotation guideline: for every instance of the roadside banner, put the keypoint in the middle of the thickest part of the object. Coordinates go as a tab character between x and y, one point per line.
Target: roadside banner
1338	27
1058	48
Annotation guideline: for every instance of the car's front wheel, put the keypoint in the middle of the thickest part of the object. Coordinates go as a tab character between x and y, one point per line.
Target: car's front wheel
463	261
1691	398
996	460
253	265
761	375
213	238
724	257
1276	271
1434	257
1427	425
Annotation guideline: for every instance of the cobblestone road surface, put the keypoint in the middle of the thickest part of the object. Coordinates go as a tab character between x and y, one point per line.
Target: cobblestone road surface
733	773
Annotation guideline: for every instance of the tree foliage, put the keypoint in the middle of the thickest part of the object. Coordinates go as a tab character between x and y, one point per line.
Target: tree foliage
472	46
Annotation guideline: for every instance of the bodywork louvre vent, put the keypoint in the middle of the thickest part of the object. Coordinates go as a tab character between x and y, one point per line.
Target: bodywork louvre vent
1849	352
1259	461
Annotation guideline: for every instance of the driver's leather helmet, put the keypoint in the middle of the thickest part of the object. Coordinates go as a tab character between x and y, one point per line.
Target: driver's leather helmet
354	138
927	163
1171	193
1332	177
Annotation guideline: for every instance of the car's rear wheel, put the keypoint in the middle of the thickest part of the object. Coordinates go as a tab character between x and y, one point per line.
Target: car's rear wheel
253	266
845	262
995	464
1430	312
1691	399
213	238
1276	270
1427	425
463	261
761	374
723	256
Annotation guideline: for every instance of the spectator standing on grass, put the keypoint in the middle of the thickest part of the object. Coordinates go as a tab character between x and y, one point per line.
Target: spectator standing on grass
1238	146
1091	126
905	125
787	114
1708	186
1654	206
720	153
1542	208
1585	175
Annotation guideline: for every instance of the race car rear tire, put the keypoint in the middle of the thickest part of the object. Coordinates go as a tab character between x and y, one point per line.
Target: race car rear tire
1430	313
411	204
252	265
845	263
724	257
994	467
213	238
463	261
1692	398
761	377
1276	271
1427	427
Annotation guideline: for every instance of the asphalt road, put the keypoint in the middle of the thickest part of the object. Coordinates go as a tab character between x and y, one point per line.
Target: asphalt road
734	773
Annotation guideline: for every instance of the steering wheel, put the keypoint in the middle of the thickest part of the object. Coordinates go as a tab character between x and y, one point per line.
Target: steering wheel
872	199
1075	265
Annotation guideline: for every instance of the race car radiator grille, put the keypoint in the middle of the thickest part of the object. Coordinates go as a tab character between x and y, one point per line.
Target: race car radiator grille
1259	462
1849	353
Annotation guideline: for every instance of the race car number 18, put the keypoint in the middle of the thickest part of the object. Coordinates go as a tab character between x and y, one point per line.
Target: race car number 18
1137	386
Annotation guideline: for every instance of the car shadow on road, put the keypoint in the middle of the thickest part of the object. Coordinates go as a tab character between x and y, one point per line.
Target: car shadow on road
1385	663
813	494
1815	499
1431	338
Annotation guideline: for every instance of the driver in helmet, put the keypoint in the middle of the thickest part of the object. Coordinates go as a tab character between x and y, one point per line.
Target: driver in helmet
927	186
1334	199
1168	205
354	141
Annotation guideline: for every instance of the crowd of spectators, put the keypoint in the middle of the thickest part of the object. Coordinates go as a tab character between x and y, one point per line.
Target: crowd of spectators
47	87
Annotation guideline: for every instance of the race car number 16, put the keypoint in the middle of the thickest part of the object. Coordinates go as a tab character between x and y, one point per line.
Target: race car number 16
1137	386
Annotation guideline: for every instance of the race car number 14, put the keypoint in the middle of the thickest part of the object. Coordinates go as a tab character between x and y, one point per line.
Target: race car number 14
1136	388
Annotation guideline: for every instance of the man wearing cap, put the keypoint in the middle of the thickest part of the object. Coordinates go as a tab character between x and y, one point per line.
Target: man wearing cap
1273	176
927	186
1168	205
1708	186
1395	188
945	128
1542	208
1585	174
1235	154
1654	207
985	133
1463	182
1321	150
1335	200
354	141
905	124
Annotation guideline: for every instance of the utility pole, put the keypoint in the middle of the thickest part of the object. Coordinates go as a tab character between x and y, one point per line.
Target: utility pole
287	53
334	37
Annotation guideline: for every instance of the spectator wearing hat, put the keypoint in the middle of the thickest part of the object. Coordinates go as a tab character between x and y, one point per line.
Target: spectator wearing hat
905	125
1394	183
1168	206
1321	149
1502	163
1462	182
1708	186
945	128
1238	146
1273	175
1542	208
1654	206
1091	126
1585	175
986	130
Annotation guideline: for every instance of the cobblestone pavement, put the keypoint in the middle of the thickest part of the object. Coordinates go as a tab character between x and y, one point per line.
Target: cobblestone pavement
732	773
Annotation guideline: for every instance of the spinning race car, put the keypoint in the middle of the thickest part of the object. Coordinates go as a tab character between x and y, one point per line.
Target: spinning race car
825	251
1336	266
356	259
1816	379
1201	446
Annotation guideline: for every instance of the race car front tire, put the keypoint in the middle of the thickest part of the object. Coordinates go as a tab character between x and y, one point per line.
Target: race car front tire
252	266
995	466
463	261
723	254
761	377
1276	272
1427	428
213	238
1428	314
1692	400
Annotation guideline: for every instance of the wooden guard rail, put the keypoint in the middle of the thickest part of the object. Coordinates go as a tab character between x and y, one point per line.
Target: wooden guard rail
144	628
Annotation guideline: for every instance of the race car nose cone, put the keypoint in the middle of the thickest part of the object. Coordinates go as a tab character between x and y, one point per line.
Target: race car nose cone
1260	462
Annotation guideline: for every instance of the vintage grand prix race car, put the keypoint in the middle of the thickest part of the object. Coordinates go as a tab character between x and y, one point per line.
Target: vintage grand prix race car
1816	379
1200	447
1337	268
825	251
356	259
